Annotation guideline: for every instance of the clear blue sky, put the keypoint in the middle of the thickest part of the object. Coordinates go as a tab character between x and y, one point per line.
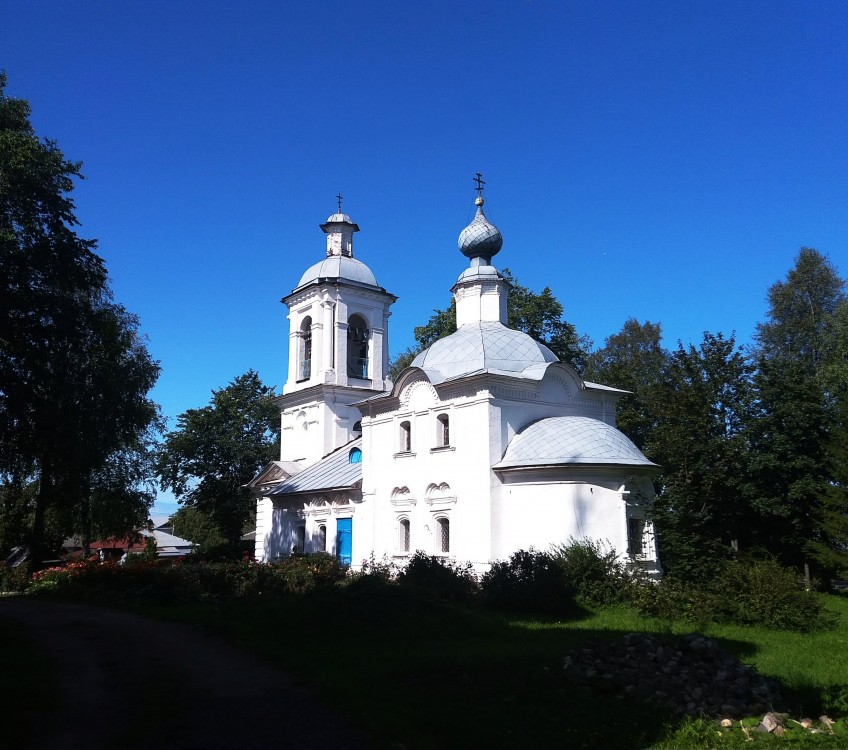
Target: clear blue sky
660	160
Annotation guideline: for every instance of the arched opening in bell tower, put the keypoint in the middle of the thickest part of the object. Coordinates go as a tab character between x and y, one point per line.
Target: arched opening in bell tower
357	347
304	371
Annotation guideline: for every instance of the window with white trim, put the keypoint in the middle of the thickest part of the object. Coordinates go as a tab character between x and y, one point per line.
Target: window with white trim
442	431
321	540
304	371
442	536
404	535
405	437
638	538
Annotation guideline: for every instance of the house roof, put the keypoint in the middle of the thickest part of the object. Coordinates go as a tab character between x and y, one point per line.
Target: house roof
572	441
334	471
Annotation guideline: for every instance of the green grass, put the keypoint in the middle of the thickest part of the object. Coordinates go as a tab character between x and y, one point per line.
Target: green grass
415	672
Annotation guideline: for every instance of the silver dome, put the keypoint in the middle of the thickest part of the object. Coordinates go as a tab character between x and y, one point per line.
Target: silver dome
339	267
572	440
483	346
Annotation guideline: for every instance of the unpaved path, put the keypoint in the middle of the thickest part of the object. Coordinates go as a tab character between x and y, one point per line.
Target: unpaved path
128	682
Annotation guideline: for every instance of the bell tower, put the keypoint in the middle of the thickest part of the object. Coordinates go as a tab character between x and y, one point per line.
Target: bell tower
338	347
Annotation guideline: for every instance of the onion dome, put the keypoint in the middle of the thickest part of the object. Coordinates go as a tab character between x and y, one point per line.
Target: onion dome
481	238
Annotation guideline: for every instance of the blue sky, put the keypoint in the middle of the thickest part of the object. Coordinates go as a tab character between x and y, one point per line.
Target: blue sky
657	160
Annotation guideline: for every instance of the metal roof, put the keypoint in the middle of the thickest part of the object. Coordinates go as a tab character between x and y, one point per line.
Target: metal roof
334	471
571	440
338	267
483	346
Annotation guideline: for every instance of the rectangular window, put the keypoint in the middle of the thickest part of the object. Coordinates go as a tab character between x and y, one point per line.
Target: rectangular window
443	535
405	437
443	432
404	535
636	541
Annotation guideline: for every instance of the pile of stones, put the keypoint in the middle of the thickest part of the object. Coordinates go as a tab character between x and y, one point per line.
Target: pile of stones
689	675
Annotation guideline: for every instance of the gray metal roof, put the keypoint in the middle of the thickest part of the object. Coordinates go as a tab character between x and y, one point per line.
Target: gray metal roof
571	440
339	267
483	346
334	471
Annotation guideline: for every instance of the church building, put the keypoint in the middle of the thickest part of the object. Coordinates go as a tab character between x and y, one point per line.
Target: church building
485	445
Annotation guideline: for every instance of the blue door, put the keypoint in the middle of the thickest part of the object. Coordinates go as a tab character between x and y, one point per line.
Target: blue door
344	540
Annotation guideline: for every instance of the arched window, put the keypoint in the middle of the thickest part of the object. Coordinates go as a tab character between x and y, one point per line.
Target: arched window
355	456
304	371
357	348
405	437
442	431
321	541
404	535
442	536
357	426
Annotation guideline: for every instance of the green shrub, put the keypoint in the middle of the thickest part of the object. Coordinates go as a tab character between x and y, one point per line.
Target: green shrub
166	581
453	581
744	592
305	572
835	700
15	579
598	577
530	581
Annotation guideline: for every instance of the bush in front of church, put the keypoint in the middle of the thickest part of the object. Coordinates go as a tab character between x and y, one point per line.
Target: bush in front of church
447	579
598	576
530	581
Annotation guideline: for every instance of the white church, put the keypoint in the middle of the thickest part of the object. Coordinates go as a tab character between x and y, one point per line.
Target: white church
485	445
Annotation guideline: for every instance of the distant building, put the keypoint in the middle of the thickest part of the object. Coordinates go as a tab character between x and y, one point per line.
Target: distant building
485	445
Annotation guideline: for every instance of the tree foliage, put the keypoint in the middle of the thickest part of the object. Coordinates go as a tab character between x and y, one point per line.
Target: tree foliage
634	360
800	429
701	407
215	450
539	315
74	371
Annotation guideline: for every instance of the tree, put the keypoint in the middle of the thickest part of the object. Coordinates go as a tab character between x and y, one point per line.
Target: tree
216	450
799	477
701	409
801	312
538	315
198	527
633	360
74	371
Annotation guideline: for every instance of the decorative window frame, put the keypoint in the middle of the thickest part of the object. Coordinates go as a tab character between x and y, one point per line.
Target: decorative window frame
440	496
402	498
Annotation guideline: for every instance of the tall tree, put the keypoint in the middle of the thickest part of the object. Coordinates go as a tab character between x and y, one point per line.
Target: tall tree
634	360
701	409
74	372
799	477
217	449
539	315
801	312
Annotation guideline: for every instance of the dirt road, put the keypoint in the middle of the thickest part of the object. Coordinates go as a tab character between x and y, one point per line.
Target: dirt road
127	682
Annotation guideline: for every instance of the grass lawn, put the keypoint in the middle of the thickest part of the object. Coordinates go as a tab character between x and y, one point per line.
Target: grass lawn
420	673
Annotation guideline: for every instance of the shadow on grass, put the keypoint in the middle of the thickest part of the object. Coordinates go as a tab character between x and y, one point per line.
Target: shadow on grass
415	671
